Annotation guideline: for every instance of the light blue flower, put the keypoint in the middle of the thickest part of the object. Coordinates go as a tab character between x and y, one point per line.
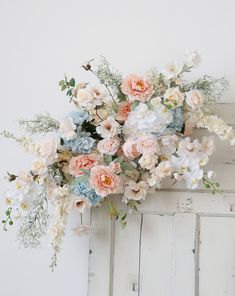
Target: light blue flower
83	143
80	116
83	189
178	120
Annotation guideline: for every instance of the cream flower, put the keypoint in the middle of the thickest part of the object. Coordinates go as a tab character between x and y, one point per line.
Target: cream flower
89	98
81	204
195	99
163	170
67	128
108	146
172	69
108	128
173	97
136	191
148	161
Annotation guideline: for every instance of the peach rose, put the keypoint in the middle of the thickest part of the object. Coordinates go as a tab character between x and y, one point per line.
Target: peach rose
86	161
130	148
137	88
124	108
195	99
108	146
104	181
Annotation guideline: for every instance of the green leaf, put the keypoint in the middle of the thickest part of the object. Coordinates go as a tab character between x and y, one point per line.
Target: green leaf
61	82
107	158
80	179
11	222
134	105
207	185
126	166
69	92
120	159
72	82
63	87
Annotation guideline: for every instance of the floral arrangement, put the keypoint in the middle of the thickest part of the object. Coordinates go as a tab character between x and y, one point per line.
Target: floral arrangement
123	137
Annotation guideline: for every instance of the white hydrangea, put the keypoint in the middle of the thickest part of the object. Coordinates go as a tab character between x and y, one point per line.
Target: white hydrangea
143	119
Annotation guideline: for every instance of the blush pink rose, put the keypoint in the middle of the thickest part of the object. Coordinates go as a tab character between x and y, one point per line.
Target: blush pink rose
86	161
148	144
137	88
115	167
104	181
124	108
108	146
130	148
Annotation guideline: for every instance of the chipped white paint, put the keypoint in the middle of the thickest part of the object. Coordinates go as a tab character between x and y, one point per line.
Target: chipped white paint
180	243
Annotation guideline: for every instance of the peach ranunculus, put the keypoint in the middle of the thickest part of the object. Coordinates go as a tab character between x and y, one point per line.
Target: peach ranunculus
137	88
84	161
124	108
104	181
130	148
108	146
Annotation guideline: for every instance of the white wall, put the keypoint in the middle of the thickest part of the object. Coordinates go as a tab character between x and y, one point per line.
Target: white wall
41	40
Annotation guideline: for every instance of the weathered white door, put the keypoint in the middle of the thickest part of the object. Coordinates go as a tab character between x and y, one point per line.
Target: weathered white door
180	243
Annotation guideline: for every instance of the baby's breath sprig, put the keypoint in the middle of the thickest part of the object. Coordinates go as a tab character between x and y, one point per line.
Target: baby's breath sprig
41	124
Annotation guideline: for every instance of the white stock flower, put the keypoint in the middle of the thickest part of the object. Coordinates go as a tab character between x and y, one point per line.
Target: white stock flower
108	128
193	58
143	119
67	128
135	191
195	99
173	97
148	161
208	145
168	145
48	150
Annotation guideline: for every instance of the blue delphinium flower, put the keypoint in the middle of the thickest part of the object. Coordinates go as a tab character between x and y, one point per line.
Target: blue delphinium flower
83	189
178	120
80	116
83	143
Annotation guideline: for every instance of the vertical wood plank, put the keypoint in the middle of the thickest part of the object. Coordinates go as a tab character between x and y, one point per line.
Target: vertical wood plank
156	255
100	250
126	257
217	256
183	265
